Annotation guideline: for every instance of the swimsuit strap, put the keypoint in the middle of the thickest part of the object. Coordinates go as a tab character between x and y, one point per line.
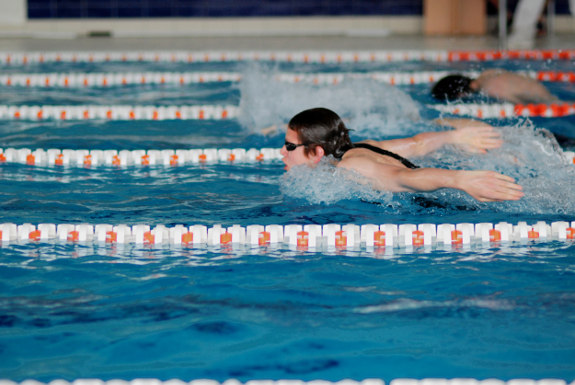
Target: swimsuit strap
381	151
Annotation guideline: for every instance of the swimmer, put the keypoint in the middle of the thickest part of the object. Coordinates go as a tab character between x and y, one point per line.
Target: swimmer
503	85
315	133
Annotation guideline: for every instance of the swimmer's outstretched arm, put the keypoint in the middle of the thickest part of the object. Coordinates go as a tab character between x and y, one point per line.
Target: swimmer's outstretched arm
470	135
485	186
273	129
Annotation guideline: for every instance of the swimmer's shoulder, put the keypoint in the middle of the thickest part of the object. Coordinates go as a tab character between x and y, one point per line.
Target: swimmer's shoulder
362	152
500	75
493	72
373	155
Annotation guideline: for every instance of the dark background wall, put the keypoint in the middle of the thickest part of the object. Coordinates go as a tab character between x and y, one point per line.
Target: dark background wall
45	9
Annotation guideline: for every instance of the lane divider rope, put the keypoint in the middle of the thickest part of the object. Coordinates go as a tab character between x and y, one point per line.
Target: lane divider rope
168	157
19	58
305	237
184	78
222	112
150	157
507	110
78	79
118	112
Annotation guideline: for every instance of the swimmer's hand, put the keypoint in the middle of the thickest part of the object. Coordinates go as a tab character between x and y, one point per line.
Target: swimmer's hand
472	135
477	138
269	130
489	186
272	130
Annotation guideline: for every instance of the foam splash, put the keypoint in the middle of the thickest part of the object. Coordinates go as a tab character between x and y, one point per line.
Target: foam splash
407	304
369	108
541	167
532	156
327	184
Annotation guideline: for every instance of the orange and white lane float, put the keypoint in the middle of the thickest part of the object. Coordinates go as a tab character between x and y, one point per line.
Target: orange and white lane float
366	237
141	158
332	56
112	79
118	112
507	110
223	112
108	79
410	78
138	158
168	157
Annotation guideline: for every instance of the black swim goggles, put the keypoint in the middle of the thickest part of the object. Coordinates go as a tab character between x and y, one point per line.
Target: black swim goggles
292	146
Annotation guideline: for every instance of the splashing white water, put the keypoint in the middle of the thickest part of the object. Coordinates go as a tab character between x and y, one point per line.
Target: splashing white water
369	108
530	155
541	167
327	184
408	304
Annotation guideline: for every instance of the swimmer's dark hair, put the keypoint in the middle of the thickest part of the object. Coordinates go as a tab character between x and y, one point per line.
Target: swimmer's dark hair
321	127
452	87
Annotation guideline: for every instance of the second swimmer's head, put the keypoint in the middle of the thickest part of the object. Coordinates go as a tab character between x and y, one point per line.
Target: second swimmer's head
452	87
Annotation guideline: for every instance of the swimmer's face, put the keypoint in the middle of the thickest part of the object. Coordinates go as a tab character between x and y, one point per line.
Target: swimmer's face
297	156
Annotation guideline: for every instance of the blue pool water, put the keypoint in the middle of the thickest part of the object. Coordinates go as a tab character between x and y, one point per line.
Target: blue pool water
128	311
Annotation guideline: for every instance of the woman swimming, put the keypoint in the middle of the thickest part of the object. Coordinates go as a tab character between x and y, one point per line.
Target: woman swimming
315	133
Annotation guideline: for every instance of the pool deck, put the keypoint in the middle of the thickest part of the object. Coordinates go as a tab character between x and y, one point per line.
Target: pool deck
276	43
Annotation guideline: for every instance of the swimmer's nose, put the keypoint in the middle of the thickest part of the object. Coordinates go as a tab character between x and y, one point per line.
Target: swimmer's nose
283	151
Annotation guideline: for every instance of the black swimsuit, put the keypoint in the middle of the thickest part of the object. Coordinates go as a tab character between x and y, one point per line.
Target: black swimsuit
420	200
381	151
